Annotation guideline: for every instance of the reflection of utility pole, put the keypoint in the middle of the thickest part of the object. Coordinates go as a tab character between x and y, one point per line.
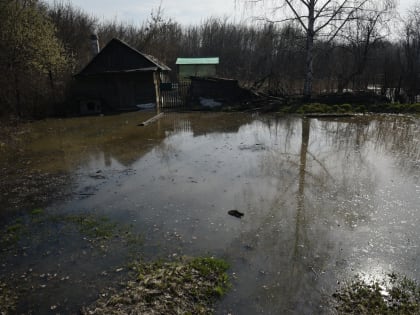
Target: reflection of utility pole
159	125
300	198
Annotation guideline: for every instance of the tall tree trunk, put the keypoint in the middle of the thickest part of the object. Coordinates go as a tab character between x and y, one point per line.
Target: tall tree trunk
310	35
307	89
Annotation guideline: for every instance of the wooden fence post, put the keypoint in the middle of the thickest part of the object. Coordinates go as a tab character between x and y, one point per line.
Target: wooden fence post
156	79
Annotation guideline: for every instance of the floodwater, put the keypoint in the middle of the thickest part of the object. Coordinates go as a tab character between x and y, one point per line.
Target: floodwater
323	200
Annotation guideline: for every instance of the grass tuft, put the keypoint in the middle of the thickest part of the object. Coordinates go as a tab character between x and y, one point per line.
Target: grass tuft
393	295
183	287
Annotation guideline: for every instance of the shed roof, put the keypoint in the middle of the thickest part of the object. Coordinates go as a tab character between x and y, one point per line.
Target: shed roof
119	57
198	61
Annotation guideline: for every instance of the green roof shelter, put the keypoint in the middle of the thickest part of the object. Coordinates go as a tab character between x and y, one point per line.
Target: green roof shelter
198	67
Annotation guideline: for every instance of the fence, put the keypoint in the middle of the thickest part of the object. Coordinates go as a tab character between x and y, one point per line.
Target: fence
174	95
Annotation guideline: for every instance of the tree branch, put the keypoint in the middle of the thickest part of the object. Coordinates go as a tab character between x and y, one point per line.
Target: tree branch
298	17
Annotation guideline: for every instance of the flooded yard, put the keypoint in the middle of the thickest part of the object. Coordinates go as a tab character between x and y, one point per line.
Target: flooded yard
324	199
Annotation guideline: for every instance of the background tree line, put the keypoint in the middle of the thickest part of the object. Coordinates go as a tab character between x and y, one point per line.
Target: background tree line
43	46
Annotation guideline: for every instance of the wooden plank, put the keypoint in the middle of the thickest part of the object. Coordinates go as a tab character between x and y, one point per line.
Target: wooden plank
153	119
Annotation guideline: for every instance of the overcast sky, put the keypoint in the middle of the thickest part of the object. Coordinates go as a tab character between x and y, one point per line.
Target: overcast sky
182	11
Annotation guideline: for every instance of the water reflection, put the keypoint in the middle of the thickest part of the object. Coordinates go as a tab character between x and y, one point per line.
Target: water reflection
323	199
340	227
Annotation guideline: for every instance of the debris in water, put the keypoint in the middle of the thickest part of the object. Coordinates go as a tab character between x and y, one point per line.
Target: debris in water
97	176
253	148
236	213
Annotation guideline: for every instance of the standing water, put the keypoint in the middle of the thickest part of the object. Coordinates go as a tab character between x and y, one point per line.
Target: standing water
323	200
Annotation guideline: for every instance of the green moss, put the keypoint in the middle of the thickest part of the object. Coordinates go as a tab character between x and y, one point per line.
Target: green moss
97	229
37	211
219	291
394	108
346	108
285	110
319	108
309	108
91	226
15	228
360	109
214	269
324	108
12	234
207	266
393	295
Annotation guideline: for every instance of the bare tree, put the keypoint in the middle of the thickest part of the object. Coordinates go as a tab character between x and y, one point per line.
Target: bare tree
359	37
73	28
318	18
411	53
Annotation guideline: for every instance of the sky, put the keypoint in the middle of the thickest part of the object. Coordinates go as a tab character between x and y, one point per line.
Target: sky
183	11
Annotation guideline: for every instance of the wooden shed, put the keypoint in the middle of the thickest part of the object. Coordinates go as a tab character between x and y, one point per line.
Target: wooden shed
118	78
198	67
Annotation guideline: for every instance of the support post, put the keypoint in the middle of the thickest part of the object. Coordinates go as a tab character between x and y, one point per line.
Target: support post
156	79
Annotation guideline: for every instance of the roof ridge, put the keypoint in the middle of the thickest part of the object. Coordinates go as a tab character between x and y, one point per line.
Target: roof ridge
150	58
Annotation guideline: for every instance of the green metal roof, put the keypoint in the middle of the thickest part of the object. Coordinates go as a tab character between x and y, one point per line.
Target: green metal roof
198	61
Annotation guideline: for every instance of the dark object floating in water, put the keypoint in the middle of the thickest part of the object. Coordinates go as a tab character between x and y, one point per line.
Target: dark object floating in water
97	176
236	213
254	147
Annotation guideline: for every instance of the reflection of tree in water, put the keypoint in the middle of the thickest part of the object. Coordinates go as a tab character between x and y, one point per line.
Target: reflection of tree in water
331	177
166	152
394	135
291	256
401	137
354	179
361	142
